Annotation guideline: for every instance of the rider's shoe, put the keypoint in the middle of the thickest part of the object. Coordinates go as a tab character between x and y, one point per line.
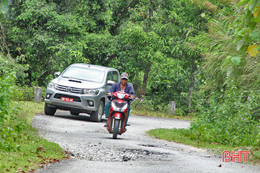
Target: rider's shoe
106	125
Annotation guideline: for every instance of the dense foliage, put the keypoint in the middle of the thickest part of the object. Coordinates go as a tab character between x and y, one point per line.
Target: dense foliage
8	130
229	111
229	118
137	37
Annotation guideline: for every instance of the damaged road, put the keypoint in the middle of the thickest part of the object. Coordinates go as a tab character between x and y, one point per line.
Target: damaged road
92	148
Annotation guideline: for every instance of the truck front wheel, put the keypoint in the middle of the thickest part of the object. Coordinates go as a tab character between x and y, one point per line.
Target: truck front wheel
49	110
96	116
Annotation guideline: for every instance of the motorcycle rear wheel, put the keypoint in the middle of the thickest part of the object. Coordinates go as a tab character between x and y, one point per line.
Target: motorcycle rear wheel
116	128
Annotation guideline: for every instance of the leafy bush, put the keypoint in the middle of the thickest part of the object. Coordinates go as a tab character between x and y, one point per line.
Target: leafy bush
7	78
9	128
24	93
229	118
147	104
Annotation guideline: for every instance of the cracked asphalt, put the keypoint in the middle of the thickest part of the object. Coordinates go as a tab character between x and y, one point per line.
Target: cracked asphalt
93	149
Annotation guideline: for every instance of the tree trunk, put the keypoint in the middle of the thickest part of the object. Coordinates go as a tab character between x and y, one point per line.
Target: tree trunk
145	80
3	43
192	80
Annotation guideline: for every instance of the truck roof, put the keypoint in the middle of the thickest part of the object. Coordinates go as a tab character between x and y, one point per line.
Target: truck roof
93	66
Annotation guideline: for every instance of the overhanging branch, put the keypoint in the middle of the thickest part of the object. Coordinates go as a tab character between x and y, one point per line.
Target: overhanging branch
125	9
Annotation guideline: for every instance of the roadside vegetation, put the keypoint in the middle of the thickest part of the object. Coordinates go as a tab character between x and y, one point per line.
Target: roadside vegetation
202	54
21	147
228	113
143	107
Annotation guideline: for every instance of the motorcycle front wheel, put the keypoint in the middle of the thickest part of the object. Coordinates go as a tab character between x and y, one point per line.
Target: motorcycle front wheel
116	128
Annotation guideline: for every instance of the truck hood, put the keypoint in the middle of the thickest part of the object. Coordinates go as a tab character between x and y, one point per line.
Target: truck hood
77	83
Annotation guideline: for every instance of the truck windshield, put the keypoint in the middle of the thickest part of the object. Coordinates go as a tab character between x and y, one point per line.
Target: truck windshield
87	74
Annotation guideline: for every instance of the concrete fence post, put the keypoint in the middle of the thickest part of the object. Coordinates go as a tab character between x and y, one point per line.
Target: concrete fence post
37	94
172	106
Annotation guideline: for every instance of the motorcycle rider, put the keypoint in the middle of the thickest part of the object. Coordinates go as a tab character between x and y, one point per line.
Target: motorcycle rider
123	85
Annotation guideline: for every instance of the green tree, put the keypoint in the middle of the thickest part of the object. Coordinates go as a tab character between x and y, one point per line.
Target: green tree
50	35
133	36
156	32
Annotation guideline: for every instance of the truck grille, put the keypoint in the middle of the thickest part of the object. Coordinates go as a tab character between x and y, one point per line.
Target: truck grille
69	89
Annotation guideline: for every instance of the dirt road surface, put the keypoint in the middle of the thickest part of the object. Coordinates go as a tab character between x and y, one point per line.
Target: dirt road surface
93	149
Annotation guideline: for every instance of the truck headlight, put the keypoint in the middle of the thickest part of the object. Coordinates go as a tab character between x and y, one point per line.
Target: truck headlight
52	85
90	91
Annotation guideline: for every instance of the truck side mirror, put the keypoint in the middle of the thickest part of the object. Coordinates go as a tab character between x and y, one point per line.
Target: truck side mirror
110	82
56	74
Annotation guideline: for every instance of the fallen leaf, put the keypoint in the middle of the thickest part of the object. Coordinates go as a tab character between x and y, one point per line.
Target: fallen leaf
54	161
40	157
252	50
66	152
256	12
40	149
219	165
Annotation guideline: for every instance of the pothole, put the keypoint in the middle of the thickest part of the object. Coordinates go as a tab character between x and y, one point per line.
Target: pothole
98	152
148	145
135	154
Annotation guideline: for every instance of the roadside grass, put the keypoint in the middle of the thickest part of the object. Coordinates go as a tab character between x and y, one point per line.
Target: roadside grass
30	150
184	136
144	112
28	109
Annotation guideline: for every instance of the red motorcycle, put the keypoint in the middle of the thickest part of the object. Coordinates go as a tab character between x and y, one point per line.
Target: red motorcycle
116	122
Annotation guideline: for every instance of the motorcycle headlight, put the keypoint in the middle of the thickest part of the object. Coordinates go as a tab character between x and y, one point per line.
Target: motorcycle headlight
124	107
52	85
90	91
